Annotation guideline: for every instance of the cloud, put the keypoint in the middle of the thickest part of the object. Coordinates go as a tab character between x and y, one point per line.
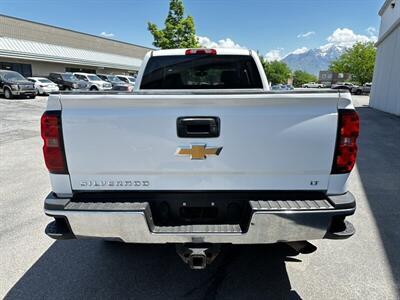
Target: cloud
346	37
371	31
223	43
275	54
106	34
278	54
300	50
340	38
306	34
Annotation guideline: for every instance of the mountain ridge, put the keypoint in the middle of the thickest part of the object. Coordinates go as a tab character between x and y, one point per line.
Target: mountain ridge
313	60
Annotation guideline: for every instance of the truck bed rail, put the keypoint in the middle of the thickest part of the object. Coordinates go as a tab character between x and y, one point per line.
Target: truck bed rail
204	92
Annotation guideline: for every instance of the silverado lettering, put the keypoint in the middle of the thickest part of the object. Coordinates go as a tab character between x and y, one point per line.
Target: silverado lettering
95	183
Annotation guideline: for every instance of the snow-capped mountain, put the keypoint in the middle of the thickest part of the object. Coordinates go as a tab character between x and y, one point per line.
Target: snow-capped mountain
313	60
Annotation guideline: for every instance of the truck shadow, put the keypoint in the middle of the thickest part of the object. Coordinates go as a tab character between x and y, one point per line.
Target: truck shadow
81	269
378	164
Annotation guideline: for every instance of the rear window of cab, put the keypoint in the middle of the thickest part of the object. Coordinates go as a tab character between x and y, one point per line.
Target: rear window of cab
201	72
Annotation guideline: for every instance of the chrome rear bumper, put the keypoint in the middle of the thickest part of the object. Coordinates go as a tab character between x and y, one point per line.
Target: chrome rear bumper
271	221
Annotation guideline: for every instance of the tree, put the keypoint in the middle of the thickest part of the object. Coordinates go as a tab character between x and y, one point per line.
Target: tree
359	61
301	77
276	71
179	32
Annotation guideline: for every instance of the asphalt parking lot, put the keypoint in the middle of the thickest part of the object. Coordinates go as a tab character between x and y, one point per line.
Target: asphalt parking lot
32	266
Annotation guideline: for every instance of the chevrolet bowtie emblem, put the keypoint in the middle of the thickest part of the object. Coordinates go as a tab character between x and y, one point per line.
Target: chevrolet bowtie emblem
199	151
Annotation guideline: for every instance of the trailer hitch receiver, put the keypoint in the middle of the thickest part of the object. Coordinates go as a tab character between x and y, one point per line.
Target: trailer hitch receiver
197	256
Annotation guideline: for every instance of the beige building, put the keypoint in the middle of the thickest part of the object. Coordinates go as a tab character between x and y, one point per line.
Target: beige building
385	92
35	49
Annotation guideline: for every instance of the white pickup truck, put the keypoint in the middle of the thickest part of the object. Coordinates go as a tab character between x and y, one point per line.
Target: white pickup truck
201	154
313	85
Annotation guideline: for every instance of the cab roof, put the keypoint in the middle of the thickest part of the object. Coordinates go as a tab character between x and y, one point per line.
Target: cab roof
220	51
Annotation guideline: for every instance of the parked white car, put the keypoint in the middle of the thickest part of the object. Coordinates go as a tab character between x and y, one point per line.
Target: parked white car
313	85
95	82
127	79
43	85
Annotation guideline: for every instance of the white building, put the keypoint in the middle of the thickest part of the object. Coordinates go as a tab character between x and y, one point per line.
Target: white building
35	49
385	93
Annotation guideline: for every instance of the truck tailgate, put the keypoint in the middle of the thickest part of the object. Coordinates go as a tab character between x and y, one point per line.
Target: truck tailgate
269	141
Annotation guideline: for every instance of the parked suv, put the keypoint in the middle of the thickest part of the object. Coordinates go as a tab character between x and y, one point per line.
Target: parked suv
95	83
117	84
364	89
68	82
13	84
343	86
127	79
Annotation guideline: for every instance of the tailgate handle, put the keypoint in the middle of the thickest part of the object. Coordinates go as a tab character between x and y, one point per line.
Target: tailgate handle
198	127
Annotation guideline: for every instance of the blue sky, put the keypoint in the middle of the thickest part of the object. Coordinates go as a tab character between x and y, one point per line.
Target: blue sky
276	27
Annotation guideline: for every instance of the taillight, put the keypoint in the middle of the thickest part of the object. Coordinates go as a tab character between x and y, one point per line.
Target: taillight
346	146
201	51
53	148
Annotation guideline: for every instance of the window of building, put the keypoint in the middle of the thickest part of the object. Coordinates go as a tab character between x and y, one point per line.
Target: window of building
73	70
24	69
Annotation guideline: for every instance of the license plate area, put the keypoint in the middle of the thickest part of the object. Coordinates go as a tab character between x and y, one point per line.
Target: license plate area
191	214
200	209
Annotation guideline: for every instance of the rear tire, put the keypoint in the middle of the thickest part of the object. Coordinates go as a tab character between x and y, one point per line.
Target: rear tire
7	94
